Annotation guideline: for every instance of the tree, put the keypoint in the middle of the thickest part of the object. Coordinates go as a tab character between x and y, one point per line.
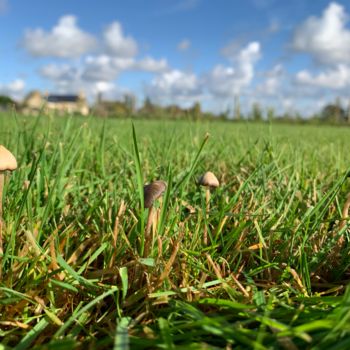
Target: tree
130	103
237	108
6	102
333	113
256	112
270	114
148	107
196	111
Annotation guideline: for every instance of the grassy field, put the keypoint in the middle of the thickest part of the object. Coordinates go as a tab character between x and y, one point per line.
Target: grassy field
74	269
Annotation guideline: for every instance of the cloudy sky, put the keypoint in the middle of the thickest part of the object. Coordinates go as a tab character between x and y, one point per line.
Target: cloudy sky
292	55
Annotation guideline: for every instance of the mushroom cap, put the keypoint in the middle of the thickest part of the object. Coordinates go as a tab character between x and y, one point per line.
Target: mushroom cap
209	180
153	191
7	160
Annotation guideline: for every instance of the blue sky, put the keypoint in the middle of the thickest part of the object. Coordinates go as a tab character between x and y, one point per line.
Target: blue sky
291	55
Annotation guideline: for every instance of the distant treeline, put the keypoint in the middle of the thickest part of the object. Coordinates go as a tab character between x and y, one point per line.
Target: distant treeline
333	113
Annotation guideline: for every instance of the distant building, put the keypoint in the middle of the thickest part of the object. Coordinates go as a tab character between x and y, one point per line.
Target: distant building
35	102
115	109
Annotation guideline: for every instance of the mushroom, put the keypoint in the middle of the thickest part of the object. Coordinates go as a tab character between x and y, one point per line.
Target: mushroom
151	193
7	163
210	181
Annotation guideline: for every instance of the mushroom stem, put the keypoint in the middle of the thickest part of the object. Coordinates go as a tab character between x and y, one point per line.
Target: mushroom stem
2	178
207	199
1	222
344	219
207	208
148	231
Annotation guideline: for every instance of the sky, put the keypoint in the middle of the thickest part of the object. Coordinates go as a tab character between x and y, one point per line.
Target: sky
293	56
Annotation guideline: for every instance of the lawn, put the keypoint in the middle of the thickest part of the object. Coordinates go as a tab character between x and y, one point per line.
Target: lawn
74	269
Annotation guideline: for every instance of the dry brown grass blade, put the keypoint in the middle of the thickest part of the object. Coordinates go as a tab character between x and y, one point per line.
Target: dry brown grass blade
74	257
214	266
148	231
298	281
345	217
15	324
239	285
32	243
118	218
172	258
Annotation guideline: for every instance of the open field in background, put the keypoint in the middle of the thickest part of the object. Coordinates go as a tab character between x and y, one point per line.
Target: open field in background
73	272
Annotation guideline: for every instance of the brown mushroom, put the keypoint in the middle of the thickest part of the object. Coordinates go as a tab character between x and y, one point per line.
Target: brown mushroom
7	163
210	181
151	193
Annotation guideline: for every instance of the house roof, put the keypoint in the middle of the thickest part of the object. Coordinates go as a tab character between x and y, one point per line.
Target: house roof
62	98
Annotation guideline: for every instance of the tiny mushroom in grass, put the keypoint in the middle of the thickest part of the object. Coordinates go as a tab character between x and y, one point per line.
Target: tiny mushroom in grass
151	192
8	162
208	180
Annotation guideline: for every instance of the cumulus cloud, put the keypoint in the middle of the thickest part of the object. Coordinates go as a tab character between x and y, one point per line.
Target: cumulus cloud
59	72
65	40
67	79
334	78
104	67
117	44
326	37
184	45
107	68
14	89
222	82
174	86
149	64
271	84
225	81
97	73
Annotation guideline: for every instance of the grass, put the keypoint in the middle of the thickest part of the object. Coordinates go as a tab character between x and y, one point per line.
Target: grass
73	273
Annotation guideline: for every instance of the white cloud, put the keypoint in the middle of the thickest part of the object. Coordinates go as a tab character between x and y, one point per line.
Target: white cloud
149	64
65	40
14	89
184	45
326	38
97	73
117	44
104	67
59	72
67	79
271	85
174	86
107	68
334	78
226	81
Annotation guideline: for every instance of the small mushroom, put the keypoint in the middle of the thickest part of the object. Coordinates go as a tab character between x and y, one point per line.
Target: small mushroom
210	181
151	193
7	163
